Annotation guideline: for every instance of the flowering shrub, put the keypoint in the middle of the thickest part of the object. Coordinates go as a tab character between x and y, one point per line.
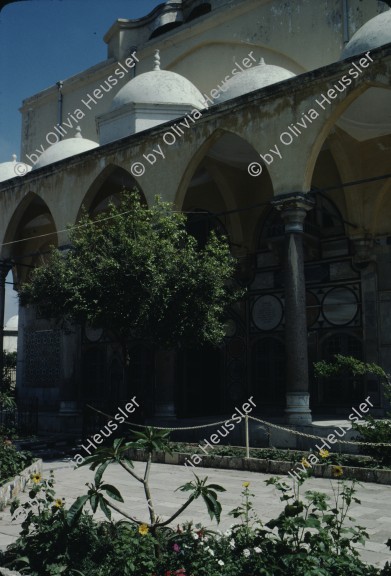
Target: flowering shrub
12	461
309	537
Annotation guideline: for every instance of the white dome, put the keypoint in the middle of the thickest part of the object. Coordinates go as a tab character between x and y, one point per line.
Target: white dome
254	79
159	87
65	149
376	32
368	116
12	169
12	323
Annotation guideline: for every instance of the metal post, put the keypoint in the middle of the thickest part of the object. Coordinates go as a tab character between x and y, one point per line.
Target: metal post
247	438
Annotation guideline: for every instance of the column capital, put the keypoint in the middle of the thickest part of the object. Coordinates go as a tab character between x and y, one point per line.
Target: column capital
293	208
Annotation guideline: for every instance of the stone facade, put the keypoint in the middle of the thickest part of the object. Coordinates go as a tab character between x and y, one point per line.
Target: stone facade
311	230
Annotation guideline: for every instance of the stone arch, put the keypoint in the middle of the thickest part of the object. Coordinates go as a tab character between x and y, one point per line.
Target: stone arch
30	234
231	51
190	169
99	193
329	123
223	158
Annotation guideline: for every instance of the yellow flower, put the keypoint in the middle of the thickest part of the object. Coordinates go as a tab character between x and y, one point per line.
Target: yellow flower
246	484
324	453
337	471
36	478
58	503
305	463
143	529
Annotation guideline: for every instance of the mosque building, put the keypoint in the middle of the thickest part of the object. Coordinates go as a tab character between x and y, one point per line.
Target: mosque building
269	120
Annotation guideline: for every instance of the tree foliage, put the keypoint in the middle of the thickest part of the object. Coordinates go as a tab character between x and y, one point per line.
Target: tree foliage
346	365
137	272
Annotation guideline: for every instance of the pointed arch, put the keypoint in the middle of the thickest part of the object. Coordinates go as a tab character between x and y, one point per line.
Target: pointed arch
217	179
107	185
330	123
30	234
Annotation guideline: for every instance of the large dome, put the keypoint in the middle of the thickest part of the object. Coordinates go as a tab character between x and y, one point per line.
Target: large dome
373	34
254	79
159	87
12	169
65	149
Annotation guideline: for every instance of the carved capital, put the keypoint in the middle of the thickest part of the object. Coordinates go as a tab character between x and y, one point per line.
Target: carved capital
293	209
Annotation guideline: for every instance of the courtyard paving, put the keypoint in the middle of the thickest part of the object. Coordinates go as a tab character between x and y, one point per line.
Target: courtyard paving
374	513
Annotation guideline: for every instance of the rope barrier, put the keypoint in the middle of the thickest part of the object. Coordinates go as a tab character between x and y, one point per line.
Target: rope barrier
163	427
289	430
297	433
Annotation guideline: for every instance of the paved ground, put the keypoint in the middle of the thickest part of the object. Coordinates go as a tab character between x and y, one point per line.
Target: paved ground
374	512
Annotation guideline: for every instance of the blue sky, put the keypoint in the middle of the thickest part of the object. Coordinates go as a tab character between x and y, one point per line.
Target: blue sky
43	41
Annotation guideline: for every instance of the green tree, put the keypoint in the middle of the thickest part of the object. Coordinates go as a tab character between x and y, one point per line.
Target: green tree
138	273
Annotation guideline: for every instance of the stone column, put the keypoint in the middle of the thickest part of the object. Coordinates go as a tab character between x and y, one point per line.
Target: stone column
4	269
293	209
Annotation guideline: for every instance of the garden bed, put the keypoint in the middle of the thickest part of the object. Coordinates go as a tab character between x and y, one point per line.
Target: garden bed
11	488
269	465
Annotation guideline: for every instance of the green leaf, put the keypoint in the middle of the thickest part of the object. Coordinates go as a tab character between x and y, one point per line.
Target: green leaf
112	492
104	507
94	501
186	487
216	487
76	509
117	443
100	471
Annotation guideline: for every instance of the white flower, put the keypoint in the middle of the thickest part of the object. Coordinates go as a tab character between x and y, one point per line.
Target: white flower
246	552
211	552
228	533
195	536
232	543
257	550
220	562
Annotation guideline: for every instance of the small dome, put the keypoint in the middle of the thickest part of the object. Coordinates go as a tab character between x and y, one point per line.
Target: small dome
65	149
254	79
376	32
12	169
12	323
159	87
